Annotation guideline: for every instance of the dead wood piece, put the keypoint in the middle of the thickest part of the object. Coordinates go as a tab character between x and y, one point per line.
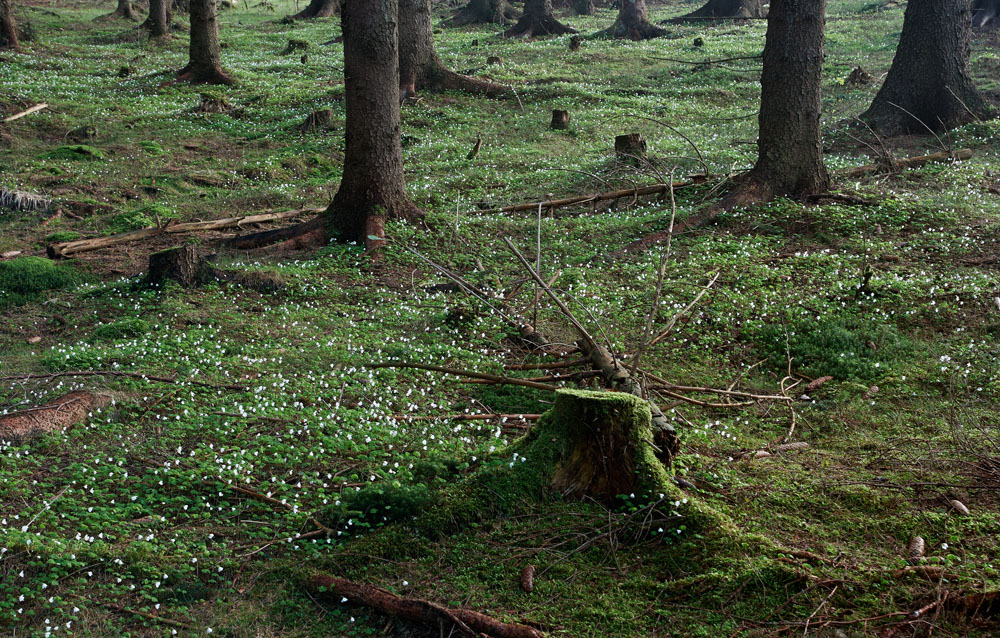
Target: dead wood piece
653	189
816	383
474	152
317	120
212	103
468	622
985	604
630	147
119	373
930	572
34	109
467	373
65	411
858	78
70	248
959	507
560	120
528	578
791	447
574	43
911	162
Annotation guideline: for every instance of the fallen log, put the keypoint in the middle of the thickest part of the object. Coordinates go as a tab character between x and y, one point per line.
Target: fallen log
35	108
65	411
911	162
70	248
654	189
466	621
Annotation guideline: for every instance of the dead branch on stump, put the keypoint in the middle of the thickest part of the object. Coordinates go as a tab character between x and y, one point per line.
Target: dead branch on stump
70	248
65	411
466	621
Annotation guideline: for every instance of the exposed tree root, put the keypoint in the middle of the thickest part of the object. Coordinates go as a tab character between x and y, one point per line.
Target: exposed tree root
208	76
483	12
310	233
465	621
318	9
638	31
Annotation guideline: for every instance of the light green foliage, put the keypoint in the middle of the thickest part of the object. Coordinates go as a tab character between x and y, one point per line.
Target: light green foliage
25	279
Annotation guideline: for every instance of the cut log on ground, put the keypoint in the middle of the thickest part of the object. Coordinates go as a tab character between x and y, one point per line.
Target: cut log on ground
465	621
911	162
70	248
65	411
34	109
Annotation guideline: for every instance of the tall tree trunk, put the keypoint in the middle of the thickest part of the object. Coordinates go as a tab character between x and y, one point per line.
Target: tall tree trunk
483	12
928	84
159	18
319	9
632	23
180	6
726	9
537	20
8	29
420	67
790	152
205	61
372	189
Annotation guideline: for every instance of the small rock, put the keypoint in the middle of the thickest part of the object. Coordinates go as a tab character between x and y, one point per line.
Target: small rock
33	339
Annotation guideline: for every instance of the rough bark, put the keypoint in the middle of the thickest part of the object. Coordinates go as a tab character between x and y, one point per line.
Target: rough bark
790	152
159	18
372	189
726	9
632	23
537	20
8	28
928	85
319	9
205	54
65	411
420	67
483	12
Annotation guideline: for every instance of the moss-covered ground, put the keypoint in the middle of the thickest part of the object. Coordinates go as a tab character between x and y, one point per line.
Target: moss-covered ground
131	524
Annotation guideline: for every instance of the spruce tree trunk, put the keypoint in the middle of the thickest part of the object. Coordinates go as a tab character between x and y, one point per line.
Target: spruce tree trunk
8	29
537	20
420	67
205	54
929	85
790	151
319	9
159	18
483	12
632	23
372	189
727	9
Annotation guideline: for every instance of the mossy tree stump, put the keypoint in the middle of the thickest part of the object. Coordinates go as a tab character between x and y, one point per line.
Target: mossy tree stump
604	445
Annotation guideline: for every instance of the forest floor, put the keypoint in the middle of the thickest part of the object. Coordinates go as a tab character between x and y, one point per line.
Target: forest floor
130	524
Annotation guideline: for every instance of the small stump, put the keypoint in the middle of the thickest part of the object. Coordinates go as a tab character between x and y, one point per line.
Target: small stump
295	45
184	265
605	440
322	119
858	78
493	59
560	120
213	103
630	147
574	43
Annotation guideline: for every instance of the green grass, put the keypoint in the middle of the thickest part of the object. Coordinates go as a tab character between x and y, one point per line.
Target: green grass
135	509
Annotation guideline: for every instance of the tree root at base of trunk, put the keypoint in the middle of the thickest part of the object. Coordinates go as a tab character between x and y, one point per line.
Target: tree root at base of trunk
529	27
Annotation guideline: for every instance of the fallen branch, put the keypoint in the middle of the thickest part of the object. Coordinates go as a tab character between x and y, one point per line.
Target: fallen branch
684	311
466	373
466	621
264	498
466	417
654	189
34	109
118	373
70	248
911	162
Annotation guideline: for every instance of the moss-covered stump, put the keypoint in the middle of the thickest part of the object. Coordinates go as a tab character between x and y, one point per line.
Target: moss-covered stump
606	445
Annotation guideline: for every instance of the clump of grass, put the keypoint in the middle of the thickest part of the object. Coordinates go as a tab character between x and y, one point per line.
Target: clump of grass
123	329
24	280
63	235
153	148
73	152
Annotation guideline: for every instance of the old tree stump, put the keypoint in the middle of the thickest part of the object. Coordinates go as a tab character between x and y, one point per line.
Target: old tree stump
630	147
189	267
560	120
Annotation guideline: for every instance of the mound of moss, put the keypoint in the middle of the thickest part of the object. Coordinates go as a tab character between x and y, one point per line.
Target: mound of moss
73	152
23	280
124	329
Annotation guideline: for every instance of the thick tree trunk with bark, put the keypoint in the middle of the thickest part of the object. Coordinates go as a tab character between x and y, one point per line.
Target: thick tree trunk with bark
537	20
790	152
483	12
205	57
632	23
420	67
726	9
372	189
158	21
8	29
929	85
319	9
